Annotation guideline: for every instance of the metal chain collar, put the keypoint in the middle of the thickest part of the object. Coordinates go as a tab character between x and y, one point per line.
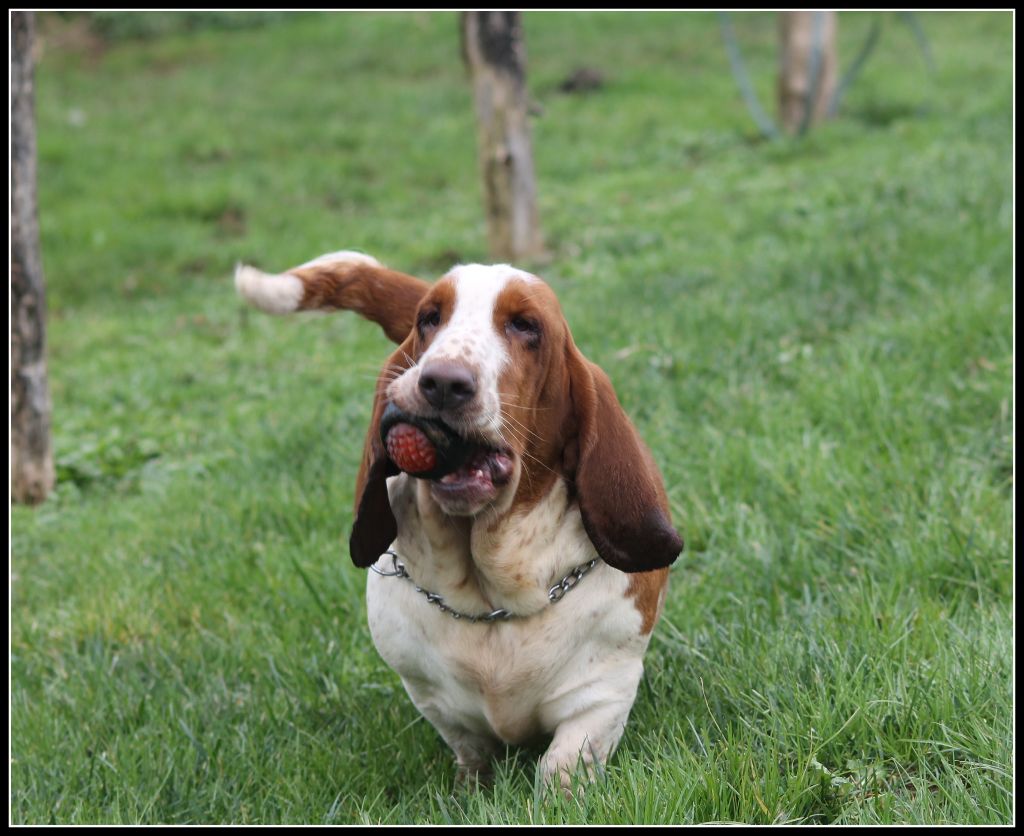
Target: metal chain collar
555	594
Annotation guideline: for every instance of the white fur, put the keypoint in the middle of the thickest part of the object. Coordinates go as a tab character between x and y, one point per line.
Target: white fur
469	338
275	294
568	669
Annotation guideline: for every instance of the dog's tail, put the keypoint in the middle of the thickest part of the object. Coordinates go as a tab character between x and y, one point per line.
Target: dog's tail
346	280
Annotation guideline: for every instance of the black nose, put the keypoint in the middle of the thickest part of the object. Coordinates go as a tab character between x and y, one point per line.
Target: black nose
447	385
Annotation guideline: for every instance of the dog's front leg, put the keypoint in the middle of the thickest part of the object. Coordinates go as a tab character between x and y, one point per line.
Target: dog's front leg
584	741
474	754
474	750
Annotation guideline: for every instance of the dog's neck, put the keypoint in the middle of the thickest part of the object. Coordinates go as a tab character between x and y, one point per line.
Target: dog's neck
479	564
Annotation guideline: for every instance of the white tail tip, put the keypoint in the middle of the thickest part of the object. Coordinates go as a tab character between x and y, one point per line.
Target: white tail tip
275	294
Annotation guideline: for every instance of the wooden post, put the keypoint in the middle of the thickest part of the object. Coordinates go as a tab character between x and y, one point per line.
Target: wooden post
806	39
493	49
32	473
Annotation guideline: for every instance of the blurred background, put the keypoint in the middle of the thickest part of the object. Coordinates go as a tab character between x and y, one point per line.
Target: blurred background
807	313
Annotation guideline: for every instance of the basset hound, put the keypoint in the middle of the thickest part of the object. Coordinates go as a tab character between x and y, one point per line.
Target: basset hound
515	595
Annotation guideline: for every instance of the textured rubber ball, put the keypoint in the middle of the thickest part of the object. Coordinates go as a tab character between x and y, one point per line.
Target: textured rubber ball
426	448
410	449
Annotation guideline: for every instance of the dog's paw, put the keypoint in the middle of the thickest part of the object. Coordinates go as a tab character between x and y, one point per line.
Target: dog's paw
474	778
571	778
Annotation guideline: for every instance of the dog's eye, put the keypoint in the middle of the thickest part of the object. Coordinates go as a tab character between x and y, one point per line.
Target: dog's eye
524	328
429	319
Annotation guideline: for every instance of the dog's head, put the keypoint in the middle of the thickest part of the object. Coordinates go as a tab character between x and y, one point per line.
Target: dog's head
490	356
486	355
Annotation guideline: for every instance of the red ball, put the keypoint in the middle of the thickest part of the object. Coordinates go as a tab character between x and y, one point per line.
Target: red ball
410	449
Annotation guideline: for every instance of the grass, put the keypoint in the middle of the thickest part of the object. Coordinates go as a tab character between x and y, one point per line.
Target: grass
814	337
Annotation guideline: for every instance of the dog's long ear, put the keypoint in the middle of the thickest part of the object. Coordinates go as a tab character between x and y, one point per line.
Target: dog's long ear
374	527
619	489
339	281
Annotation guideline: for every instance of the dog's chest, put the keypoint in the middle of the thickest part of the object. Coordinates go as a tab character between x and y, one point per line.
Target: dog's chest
516	678
513	679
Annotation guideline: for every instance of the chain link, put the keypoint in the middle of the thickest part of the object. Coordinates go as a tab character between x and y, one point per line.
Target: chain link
555	594
397	568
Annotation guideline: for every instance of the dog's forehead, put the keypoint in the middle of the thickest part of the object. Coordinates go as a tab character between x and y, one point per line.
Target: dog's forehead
478	286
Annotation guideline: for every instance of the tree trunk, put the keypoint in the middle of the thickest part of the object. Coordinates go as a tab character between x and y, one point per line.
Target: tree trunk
32	474
807	40
492	44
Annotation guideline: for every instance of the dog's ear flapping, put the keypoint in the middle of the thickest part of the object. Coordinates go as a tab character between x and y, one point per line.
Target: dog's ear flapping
374	528
619	488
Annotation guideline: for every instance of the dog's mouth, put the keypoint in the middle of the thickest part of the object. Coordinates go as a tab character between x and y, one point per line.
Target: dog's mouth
486	470
464	472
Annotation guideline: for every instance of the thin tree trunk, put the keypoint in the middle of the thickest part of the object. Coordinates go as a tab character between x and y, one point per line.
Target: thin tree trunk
799	33
492	43
32	473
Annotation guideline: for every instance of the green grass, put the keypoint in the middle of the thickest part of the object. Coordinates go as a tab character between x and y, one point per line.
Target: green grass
814	337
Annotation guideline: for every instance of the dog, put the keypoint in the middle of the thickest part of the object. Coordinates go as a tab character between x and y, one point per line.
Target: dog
515	596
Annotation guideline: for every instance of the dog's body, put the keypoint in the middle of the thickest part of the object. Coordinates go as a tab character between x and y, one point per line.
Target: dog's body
569	668
559	477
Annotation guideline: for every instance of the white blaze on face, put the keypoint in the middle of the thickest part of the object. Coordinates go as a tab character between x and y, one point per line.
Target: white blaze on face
469	337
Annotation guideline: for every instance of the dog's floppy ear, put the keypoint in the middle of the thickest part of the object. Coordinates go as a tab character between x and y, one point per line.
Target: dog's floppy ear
341	281
374	528
618	486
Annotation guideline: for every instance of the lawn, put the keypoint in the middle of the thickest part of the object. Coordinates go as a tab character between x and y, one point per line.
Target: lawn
815	338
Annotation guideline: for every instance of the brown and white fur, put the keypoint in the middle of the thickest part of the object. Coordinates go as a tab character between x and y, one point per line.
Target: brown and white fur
487	350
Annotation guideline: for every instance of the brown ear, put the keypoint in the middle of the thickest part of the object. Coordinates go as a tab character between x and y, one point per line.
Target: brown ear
619	489
374	528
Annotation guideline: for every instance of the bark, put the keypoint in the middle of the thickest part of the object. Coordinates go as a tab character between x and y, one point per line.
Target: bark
32	472
493	49
796	60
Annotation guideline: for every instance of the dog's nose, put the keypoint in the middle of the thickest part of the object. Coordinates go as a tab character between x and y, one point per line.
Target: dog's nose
447	385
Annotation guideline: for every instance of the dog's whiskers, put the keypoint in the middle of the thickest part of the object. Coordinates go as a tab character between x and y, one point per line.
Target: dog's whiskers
526	455
522	427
